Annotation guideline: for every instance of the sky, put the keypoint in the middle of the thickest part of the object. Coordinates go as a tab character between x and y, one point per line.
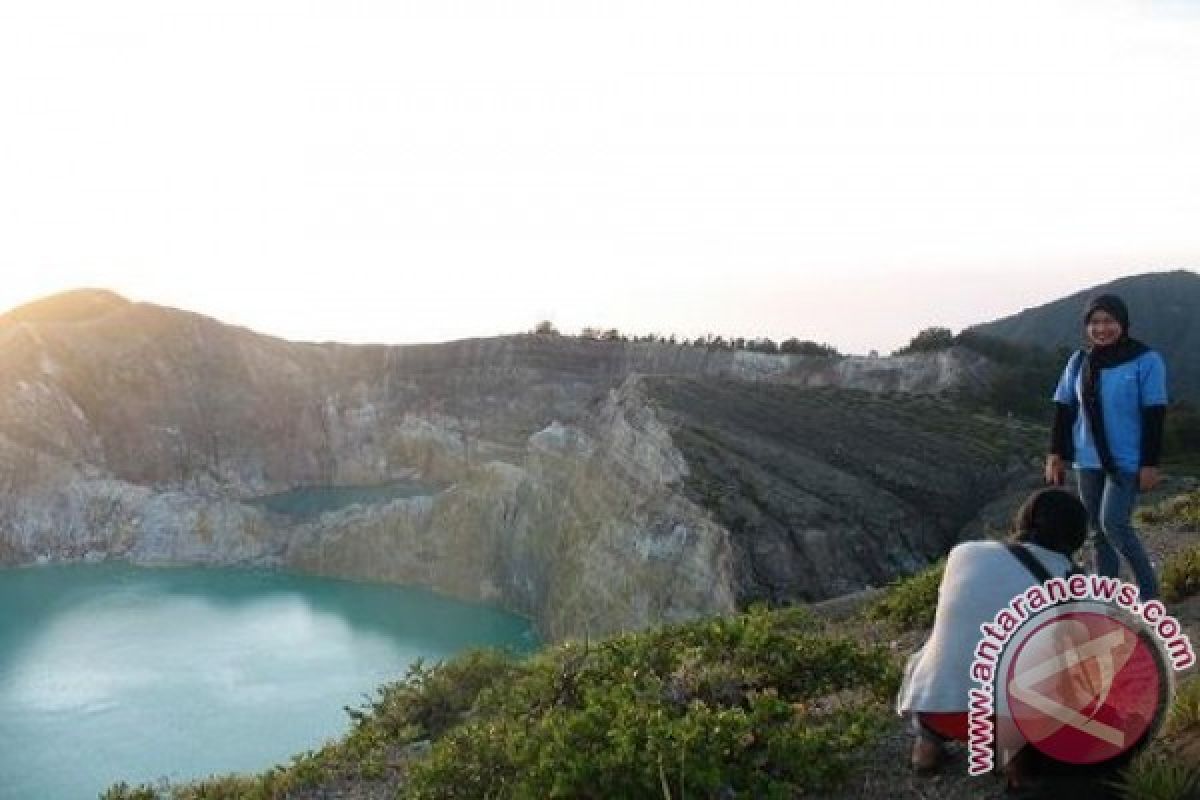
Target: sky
354	170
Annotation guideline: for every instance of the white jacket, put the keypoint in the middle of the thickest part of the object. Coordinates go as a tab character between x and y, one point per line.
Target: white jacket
981	578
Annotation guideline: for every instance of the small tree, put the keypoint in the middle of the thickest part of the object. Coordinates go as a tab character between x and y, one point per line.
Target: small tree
929	340
807	347
546	328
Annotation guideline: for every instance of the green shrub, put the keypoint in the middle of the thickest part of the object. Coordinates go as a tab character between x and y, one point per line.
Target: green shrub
1152	777
928	340
757	704
431	699
910	602
1180	511
1184	715
622	746
226	787
1181	575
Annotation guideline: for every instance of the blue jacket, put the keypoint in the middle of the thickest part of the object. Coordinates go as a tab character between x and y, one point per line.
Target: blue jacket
1124	391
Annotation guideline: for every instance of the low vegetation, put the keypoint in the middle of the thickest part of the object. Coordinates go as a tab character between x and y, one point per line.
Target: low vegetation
1156	777
910	602
1179	512
1185	709
1161	773
1181	575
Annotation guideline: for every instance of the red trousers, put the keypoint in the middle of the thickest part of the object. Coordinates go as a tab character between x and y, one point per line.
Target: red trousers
947	724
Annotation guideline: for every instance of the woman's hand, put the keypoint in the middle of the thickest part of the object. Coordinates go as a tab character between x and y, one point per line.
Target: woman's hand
1148	478
1056	470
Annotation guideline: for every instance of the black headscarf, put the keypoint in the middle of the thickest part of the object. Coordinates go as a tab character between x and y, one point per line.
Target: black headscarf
1098	359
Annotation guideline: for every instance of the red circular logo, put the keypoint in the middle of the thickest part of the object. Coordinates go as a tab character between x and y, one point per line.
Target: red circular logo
1084	687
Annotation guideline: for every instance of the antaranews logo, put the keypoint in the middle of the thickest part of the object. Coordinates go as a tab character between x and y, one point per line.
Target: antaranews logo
1076	667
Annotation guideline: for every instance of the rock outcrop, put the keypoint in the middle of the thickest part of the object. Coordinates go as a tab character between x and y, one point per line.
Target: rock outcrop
591	485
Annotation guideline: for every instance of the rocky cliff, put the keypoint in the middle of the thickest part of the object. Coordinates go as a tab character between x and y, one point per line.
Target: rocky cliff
590	485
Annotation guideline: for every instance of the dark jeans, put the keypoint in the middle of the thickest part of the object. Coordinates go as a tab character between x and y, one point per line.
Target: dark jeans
1109	502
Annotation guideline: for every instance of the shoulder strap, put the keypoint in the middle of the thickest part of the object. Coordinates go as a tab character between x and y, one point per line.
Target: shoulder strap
1035	567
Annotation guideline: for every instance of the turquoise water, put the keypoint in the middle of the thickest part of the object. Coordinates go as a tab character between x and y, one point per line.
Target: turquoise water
110	672
309	501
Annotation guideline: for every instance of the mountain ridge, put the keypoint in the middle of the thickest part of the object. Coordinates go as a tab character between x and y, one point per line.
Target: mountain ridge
1164	310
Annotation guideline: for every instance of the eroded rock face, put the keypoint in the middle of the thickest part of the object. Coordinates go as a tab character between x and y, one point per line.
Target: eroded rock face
570	488
825	491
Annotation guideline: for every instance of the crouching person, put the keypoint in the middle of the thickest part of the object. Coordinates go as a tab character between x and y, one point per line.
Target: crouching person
981	578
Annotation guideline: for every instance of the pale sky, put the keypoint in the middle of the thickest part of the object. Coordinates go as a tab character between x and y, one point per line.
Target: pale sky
385	171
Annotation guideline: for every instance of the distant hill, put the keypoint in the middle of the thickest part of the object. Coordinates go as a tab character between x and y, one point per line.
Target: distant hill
75	305
1164	309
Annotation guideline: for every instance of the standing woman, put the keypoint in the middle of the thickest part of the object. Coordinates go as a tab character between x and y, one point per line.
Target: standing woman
1109	410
